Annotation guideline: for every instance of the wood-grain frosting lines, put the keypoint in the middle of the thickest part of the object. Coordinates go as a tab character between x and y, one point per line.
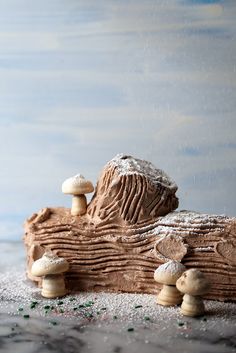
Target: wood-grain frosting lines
129	230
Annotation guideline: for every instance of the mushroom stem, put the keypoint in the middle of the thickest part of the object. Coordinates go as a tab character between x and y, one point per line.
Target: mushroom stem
192	305
53	286
169	295
79	205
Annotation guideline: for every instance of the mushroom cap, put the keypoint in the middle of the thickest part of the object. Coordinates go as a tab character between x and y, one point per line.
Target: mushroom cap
49	264
77	185
169	272
193	282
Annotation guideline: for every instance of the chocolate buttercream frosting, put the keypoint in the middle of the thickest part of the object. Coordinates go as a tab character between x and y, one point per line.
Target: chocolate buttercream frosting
129	230
131	191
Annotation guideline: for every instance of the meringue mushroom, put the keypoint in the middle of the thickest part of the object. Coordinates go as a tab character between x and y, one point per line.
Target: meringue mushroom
51	268
167	274
78	186
193	284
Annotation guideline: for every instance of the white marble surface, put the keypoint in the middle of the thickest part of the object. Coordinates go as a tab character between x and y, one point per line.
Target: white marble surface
121	327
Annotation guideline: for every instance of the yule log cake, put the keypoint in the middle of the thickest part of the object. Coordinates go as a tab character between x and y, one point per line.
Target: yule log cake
129	229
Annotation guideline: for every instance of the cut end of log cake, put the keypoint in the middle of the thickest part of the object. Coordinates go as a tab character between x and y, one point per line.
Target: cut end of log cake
129	230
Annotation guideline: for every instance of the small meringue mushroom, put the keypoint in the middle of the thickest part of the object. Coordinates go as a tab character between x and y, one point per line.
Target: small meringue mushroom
193	284
167	274
51	268
78	186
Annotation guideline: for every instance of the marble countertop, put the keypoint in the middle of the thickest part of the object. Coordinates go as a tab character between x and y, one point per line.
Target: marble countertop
127	323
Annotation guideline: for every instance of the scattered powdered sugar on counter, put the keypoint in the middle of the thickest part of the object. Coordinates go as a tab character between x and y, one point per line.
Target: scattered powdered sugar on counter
20	297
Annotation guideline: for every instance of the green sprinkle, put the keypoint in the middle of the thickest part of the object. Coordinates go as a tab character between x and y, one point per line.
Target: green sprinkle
98	312
87	305
204	319
91	302
130	329
72	299
114	317
138	306
26	316
104	309
20	309
48	307
75	308
13	329
32	306
61	311
46	311
54	323
180	323
146	318
81	306
60	303
89	315
34	302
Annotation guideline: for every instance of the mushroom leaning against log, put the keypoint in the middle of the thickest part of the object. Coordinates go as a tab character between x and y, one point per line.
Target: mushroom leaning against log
51	268
78	186
193	284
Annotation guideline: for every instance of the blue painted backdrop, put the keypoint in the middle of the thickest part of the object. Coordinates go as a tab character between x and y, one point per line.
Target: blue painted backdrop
82	80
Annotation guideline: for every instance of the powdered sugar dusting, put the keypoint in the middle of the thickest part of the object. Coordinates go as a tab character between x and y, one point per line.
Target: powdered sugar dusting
185	221
49	258
48	262
127	165
75	180
77	183
204	249
188	217
172	267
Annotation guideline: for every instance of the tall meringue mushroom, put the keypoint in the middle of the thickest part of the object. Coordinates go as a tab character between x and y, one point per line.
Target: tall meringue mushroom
167	274
51	268
193	284
78	186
